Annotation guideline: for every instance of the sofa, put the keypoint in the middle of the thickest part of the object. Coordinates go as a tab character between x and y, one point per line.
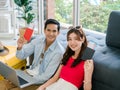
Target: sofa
106	75
107	57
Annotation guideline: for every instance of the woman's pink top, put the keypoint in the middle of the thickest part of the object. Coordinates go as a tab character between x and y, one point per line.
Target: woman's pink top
74	75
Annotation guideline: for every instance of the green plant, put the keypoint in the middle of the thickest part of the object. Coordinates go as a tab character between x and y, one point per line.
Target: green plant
25	10
93	17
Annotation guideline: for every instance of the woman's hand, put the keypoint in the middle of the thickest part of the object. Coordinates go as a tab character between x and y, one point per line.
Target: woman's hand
41	88
89	66
88	71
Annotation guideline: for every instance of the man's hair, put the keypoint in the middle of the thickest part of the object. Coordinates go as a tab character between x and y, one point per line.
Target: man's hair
52	21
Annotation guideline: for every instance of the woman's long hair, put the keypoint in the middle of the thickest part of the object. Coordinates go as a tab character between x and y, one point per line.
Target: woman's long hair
69	52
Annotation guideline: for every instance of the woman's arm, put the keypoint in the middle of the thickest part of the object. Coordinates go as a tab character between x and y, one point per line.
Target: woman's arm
88	71
52	80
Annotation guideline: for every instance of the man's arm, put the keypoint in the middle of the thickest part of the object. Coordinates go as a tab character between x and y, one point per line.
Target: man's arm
25	50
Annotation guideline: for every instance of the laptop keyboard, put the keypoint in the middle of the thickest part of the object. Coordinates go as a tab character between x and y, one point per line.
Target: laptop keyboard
22	81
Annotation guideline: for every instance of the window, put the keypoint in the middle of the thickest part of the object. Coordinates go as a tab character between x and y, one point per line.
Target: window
94	14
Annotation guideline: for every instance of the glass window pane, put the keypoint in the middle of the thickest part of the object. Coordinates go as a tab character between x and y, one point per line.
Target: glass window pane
94	14
34	24
63	12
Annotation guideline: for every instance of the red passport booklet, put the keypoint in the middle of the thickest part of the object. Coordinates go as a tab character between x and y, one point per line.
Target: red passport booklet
28	34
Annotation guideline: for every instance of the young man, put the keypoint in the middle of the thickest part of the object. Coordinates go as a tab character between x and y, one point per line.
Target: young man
47	51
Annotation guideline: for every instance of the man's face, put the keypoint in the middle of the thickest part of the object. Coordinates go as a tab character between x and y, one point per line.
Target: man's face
51	32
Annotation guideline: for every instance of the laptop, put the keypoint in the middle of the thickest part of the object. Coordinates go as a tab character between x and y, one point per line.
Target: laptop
17	77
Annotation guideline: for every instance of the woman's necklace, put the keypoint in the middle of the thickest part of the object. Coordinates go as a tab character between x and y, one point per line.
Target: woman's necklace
74	56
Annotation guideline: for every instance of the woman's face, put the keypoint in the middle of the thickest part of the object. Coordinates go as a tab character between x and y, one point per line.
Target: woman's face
74	42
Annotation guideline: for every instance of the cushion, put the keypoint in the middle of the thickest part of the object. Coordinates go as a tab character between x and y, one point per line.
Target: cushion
107	68
113	30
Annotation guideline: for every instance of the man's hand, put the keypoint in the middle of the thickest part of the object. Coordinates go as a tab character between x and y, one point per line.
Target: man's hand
21	41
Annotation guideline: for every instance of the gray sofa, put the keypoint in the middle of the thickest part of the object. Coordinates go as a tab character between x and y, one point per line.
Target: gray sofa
106	75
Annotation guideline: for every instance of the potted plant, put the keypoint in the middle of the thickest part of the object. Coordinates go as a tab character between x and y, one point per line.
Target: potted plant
25	8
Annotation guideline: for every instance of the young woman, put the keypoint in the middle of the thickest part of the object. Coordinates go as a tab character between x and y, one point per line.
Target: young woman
73	71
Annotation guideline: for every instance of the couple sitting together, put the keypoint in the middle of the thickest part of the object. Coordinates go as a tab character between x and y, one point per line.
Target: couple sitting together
54	67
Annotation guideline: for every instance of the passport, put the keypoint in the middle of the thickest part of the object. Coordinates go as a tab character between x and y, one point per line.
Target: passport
28	34
88	53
